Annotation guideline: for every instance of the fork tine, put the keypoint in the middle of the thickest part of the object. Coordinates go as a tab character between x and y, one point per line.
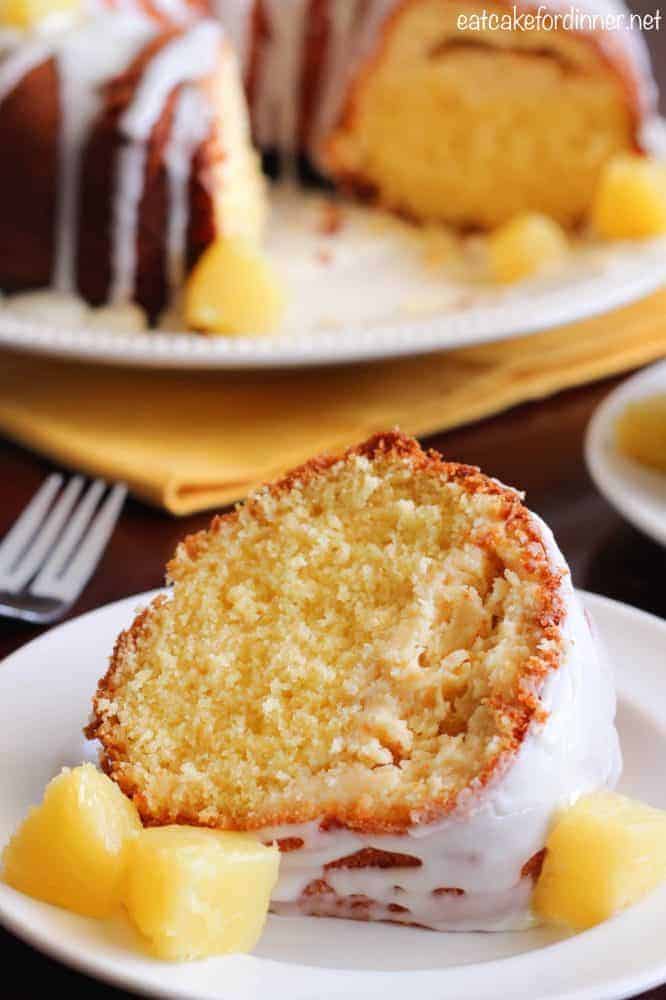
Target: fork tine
46	537
46	582
25	526
81	567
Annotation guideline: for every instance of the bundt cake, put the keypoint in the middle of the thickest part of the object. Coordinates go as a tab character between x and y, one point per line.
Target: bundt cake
380	663
437	111
128	133
127	153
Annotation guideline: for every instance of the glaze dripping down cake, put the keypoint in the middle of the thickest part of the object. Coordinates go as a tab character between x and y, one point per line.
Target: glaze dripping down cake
380	663
128	153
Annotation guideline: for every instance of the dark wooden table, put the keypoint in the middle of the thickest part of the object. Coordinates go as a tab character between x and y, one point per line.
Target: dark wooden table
537	447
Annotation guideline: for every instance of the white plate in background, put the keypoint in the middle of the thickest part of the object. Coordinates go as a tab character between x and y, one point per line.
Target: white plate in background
365	292
638	493
45	692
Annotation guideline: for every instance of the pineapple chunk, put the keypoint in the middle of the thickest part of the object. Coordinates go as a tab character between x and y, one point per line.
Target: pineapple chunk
196	892
641	432
604	854
630	200
524	246
26	14
233	290
71	850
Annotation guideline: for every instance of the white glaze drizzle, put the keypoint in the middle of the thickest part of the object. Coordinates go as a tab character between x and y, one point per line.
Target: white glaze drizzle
191	124
189	57
483	845
130	175
355	29
178	11
236	17
342	19
278	87
84	65
85	57
20	61
175	11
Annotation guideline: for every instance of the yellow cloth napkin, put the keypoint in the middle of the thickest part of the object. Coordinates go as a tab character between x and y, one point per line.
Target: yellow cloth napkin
192	440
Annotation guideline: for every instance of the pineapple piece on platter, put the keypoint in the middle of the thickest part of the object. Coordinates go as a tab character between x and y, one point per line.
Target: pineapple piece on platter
604	854
196	892
525	246
234	291
71	850
641	431
630	202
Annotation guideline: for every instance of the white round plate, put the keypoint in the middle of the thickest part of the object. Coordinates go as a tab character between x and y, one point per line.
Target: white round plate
45	691
639	494
364	291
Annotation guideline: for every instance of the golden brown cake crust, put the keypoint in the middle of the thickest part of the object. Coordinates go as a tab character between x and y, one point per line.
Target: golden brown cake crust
523	710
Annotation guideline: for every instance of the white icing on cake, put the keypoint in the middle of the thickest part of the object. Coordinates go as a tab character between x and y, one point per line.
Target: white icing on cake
279	85
354	28
83	65
481	847
191	124
190	56
19	61
63	309
176	11
237	25
87	57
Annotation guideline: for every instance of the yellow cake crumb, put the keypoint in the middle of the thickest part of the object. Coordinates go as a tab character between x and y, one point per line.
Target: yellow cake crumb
233	290
280	684
71	850
641	431
604	854
472	127
194	893
526	245
630	202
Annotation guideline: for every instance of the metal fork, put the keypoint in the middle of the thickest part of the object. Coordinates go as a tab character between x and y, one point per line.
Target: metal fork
51	551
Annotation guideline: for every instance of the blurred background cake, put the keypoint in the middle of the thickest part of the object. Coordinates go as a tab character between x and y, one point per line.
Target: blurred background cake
129	148
407	103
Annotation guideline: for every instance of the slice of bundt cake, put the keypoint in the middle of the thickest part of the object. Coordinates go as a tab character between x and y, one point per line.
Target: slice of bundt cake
439	109
379	662
128	153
